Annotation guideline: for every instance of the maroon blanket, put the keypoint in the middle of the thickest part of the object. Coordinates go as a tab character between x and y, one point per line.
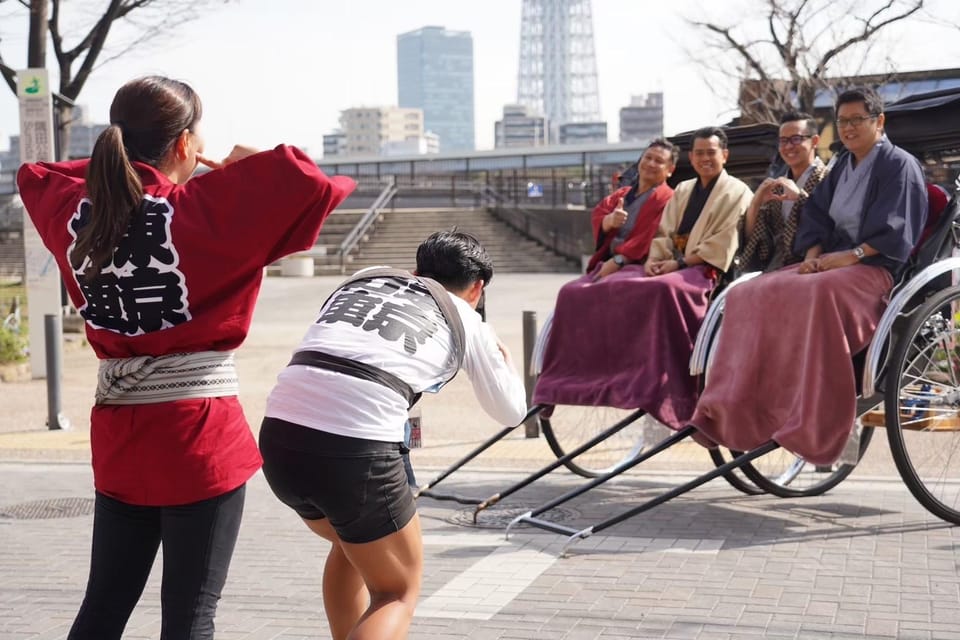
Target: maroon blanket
625	341
783	366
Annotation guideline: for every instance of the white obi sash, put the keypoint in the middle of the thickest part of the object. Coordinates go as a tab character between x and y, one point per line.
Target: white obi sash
176	376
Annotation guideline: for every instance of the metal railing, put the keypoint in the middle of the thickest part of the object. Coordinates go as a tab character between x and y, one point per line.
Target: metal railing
551	227
534	189
353	238
561	239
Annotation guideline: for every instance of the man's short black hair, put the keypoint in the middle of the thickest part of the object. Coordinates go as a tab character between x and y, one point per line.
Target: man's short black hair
708	132
455	259
870	99
664	144
794	116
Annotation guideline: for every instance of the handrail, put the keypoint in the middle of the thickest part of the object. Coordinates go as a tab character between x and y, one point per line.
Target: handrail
519	219
352	239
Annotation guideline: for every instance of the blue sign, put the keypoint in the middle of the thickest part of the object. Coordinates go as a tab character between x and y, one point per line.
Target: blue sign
534	190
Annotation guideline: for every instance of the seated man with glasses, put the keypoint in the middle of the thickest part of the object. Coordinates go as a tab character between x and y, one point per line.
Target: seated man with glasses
768	229
782	369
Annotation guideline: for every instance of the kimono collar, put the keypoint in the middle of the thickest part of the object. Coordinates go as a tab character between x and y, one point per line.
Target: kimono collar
151	175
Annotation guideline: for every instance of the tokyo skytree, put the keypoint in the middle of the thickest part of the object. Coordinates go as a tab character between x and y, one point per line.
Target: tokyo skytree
558	68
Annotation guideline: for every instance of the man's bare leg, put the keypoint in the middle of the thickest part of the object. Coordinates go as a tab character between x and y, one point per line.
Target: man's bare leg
392	569
345	597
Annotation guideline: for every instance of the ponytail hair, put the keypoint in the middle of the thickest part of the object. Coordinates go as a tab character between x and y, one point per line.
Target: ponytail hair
115	191
147	117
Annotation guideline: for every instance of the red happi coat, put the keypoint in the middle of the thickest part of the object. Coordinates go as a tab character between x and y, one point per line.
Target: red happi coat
184	279
637	245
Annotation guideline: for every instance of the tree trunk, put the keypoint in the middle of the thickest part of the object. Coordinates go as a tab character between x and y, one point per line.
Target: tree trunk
62	121
37	45
806	96
37	59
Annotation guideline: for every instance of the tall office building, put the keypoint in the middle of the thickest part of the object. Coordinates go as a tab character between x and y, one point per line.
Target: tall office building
435	74
519	128
583	133
83	134
10	159
558	68
334	144
642	119
365	130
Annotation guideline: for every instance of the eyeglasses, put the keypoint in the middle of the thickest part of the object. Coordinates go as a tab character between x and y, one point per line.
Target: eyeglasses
855	121
794	140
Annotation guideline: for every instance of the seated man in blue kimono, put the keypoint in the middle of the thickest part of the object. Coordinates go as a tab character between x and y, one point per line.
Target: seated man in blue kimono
782	368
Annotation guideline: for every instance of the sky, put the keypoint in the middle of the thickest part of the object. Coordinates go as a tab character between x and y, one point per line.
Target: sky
281	71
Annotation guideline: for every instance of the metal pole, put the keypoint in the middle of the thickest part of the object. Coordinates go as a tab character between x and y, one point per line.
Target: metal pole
53	333
532	424
553	187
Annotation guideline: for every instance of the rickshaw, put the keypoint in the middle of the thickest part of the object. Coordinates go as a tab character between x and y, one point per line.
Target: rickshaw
910	373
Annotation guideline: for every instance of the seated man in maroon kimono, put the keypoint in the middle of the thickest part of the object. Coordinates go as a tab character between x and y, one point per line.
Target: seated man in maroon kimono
622	335
782	368
624	222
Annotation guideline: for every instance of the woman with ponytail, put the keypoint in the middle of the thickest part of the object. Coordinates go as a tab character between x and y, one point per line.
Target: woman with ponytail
165	270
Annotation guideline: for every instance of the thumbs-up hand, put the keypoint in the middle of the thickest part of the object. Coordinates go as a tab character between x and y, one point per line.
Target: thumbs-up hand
616	218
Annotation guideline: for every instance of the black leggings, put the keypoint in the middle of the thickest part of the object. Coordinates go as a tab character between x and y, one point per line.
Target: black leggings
198	541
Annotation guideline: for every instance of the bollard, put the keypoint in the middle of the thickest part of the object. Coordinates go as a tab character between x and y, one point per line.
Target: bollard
53	337
531	426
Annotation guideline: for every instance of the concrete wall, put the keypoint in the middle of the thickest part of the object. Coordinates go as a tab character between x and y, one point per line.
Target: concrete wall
566	231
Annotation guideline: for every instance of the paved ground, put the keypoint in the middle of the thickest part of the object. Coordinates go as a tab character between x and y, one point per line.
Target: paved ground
864	561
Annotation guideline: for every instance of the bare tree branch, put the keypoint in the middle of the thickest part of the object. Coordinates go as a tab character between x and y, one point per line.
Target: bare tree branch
771	24
869	30
149	30
103	23
9	75
70	87
742	49
90	48
131	5
791	65
53	25
795	33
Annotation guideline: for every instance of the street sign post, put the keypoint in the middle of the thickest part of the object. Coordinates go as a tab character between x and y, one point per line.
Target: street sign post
42	278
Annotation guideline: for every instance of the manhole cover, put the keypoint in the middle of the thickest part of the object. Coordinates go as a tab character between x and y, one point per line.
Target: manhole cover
498	517
53	508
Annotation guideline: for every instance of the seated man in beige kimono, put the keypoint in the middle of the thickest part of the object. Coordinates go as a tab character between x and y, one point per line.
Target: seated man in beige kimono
699	224
625	340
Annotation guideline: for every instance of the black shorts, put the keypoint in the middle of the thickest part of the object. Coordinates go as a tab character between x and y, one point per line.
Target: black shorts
360	485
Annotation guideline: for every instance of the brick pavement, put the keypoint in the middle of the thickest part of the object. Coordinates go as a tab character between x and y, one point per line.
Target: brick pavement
864	561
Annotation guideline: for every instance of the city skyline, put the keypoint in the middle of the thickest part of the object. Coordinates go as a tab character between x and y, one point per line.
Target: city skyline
284	74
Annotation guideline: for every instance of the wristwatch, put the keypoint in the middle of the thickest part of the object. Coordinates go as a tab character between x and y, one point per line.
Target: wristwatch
681	262
619	259
859	253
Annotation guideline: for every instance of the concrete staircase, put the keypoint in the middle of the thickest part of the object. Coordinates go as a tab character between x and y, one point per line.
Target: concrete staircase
335	229
395	239
326	259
